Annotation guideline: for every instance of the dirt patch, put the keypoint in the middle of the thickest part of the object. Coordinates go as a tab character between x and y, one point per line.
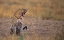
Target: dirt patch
42	28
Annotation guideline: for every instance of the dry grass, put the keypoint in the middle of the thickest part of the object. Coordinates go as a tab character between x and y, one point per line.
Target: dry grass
46	9
41	9
25	37
60	36
37	29
10	38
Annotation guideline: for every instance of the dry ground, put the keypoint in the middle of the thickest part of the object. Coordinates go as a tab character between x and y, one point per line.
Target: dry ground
37	29
39	9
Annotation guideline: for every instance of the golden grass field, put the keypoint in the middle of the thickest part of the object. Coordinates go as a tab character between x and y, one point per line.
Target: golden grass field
41	9
41	18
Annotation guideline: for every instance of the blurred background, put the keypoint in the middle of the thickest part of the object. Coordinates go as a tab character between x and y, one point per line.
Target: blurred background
41	9
44	18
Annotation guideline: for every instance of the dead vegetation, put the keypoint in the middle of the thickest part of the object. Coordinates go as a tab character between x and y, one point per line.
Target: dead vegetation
41	9
45	29
37	29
